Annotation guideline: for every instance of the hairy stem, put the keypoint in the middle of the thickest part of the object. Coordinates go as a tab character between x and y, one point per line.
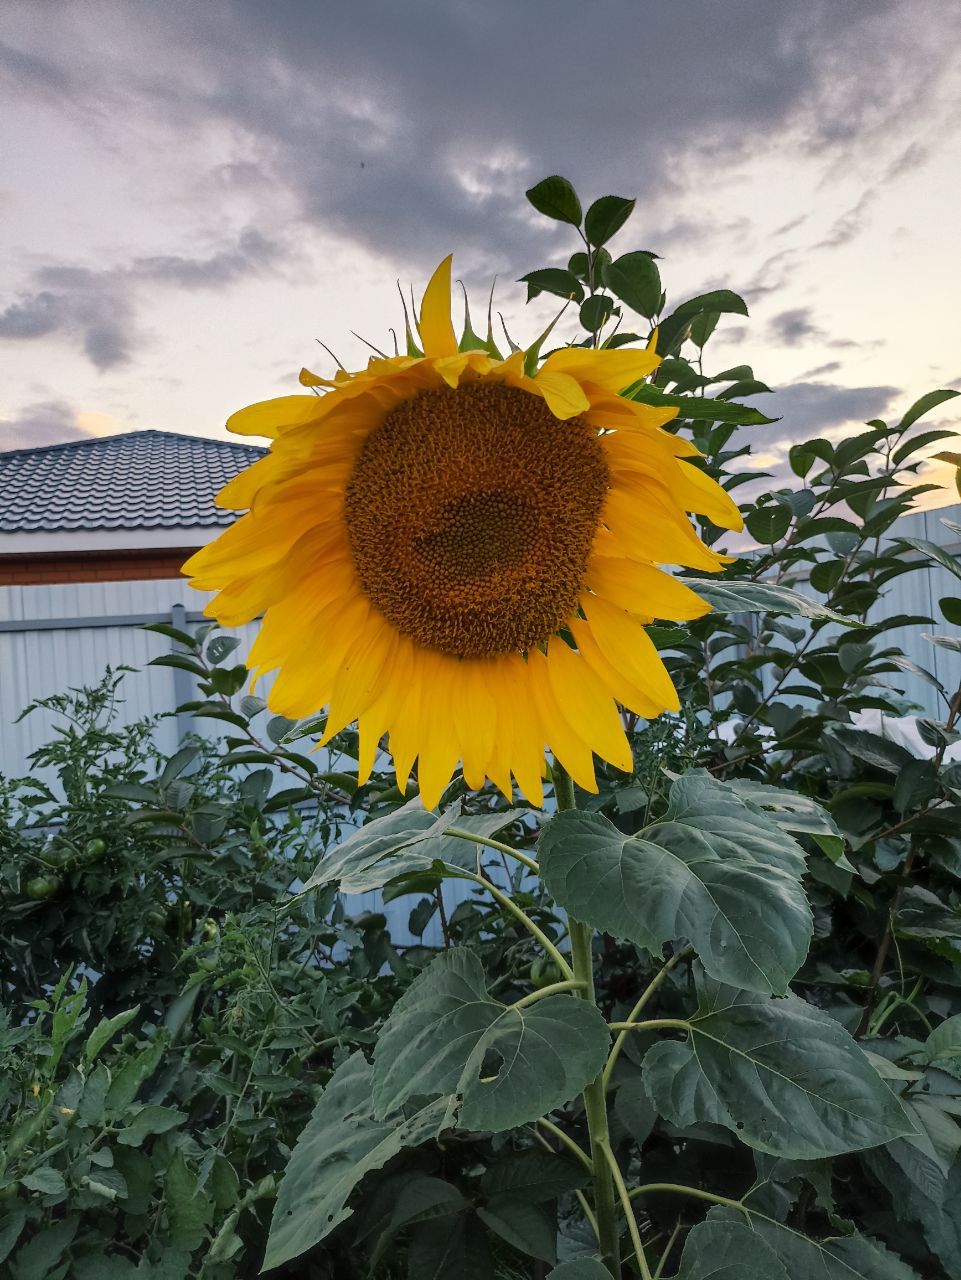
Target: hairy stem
639	1007
625	1200
595	1101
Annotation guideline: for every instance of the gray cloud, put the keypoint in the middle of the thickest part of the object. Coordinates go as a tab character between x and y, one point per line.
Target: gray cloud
97	310
46	422
416	127
809	409
791	327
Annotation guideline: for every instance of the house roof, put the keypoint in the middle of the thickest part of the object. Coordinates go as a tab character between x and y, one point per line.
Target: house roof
136	480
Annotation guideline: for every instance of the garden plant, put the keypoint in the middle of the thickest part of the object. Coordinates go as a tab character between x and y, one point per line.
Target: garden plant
697	1011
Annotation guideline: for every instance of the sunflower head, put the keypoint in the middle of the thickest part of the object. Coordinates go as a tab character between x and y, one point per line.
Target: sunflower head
460	551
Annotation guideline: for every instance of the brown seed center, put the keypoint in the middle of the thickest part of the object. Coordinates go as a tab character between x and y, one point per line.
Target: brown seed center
471	514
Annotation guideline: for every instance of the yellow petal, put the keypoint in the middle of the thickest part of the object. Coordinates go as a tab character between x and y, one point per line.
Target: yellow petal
438	752
643	589
629	649
627	693
650	526
564	396
475	718
569	748
436	329
707	498
587	705
373	723
271	417
613	370
357	682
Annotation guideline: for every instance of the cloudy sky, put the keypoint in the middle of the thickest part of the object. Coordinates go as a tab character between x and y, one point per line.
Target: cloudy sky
192	194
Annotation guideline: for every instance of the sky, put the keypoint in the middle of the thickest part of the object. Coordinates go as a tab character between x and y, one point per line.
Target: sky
192	195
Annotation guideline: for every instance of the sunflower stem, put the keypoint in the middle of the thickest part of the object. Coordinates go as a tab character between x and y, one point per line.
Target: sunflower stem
595	1100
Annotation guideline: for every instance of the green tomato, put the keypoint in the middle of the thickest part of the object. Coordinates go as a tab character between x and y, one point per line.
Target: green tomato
41	887
544	972
94	850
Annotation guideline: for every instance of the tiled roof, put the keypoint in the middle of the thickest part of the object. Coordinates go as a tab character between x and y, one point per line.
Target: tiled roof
136	480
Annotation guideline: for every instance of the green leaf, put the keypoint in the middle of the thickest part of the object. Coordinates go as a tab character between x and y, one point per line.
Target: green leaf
189	1208
563	284
10	1229
853	1257
722	300
762	597
633	1108
596	312
555	197
445	1025
105	1030
605	218
796	813
174	633
339	1146
45	1180
937	553
699	408
635	279
713	870
768	524
93	1101
379	851
149	1120
221	647
533	1176
181	662
450	1249
781	1074
424	1198
528	1227
37	1258
580	1269
925	405
728	1250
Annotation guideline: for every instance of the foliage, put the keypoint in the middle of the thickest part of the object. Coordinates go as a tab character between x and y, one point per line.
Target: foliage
206	1061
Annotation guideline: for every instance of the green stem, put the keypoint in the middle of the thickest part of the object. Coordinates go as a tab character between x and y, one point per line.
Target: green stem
569	1143
554	989
677	1188
511	907
636	1011
595	1101
653	1024
493	844
582	1198
625	1200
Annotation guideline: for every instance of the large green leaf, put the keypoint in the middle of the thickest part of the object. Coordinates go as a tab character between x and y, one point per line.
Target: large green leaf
341	1143
409	840
762	597
449	1249
445	1025
580	1269
728	1250
840	1258
532	1175
923	1175
784	1076
796	813
714	870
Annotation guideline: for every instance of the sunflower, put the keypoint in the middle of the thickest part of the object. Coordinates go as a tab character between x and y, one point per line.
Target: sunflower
460	551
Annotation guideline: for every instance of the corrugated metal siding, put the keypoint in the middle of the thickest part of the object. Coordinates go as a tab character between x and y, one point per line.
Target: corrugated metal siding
37	663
